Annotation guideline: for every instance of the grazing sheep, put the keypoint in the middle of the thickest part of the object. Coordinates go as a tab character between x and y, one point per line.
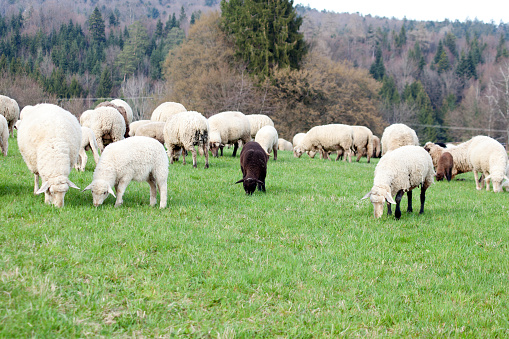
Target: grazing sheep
186	130
107	124
398	135
4	135
253	164
257	121
88	142
376	147
459	154
133	126
327	138
136	158
10	110
122	112
284	145
400	171
166	110
228	128
362	142
489	157
154	129
49	141
267	138
126	107
295	141
445	165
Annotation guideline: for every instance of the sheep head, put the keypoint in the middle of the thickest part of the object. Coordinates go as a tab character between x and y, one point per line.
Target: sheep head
378	195
54	190
100	191
249	184
297	151
496	180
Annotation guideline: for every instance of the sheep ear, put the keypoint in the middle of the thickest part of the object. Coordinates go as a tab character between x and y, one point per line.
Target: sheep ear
89	187
389	198
44	188
71	184
487	178
110	190
366	196
259	182
241	180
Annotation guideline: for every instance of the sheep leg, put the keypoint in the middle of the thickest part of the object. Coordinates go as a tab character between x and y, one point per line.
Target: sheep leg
153	190
95	153
100	144
389	209
409	196
486	181
183	156
36	183
397	214
359	156
339	153
235	148
163	192
423	198
82	155
170	152
261	187
206	152
120	188
477	185
275	152
193	151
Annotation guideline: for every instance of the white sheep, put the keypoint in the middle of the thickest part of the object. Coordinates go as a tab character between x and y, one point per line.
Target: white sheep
267	138
186	130
362	142
284	145
228	128
4	135
397	135
257	121
88	142
489	157
459	153
125	105
136	158
154	129
295	141
106	123
397	172
133	126
166	110
10	110
327	138
49	141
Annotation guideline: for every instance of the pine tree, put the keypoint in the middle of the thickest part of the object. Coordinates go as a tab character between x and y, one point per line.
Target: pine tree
182	17
501	49
105	84
159	29
377	69
97	28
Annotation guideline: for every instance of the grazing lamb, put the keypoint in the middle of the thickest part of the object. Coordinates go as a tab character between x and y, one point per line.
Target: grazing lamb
136	158
489	157
445	166
376	147
10	110
257	121
166	110
126	107
362	142
253	164
154	129
4	135
186	130
228	128
400	171
133	126
120	110
296	140
107	124
49	141
327	138
88	142
267	138
460	163
284	145
398	135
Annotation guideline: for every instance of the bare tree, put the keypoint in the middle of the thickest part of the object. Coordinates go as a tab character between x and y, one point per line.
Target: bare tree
498	96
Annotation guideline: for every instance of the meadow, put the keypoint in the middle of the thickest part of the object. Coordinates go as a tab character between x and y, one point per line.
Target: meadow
305	259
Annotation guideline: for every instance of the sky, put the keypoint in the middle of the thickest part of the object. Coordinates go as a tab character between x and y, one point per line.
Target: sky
434	10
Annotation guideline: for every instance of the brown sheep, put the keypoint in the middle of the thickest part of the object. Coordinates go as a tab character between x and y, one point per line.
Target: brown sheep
253	164
444	167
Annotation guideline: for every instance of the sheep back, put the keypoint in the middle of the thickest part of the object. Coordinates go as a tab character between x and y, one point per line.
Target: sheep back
166	110
267	137
257	121
154	129
397	135
127	108
9	108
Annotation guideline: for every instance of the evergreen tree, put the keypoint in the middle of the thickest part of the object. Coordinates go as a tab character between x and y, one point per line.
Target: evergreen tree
182	17
441	60
159	29
97	28
377	69
400	39
105	84
113	20
501	49
389	91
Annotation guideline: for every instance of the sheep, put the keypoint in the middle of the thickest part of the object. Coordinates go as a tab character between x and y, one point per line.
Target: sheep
489	157
398	135
284	145
257	121
445	166
137	158
4	135
295	141
10	110
400	171
166	110
49	141
460	163
362	142
185	130
327	138
267	138
133	126
127	108
376	147
228	127
253	164
88	142
107	124
120	110
154	129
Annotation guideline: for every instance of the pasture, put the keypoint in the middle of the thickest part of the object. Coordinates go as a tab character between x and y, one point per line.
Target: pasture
306	259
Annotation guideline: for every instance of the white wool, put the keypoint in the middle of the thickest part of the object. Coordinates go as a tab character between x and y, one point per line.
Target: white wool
166	110
461	163
327	138
488	156
125	105
4	135
257	121
133	126
10	110
153	129
136	158
106	123
228	128
297	138
88	140
49	141
362	142
284	145
376	146
186	130
267	137
397	135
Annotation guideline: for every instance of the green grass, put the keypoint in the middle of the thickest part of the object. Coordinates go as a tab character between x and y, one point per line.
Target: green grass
306	259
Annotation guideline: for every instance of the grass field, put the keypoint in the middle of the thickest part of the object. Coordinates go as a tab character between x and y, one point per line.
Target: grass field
306	259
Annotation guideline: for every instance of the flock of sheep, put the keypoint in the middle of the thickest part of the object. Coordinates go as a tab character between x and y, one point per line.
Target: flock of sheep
52	141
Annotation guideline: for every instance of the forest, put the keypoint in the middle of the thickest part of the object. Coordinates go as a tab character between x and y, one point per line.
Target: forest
448	80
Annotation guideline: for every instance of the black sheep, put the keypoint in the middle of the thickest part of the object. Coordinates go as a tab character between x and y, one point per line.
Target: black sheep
253	163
